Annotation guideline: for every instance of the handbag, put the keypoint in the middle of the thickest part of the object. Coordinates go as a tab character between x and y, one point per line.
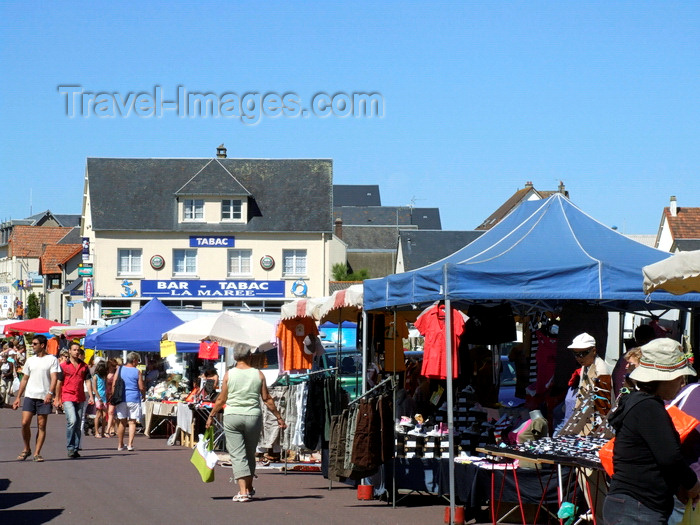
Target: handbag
203	456
682	422
118	390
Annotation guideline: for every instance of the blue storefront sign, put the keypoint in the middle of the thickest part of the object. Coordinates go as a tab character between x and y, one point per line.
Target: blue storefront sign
212	241
214	289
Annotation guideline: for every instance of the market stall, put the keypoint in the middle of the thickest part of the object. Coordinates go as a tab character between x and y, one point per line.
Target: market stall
679	274
38	325
543	255
140	332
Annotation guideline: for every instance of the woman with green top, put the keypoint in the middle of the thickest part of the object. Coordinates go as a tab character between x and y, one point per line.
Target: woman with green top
242	388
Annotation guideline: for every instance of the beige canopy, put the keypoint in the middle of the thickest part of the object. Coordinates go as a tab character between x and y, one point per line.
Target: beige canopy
678	274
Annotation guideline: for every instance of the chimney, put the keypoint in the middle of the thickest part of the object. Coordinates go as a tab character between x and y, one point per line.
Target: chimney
674	206
528	184
561	188
221	152
339	228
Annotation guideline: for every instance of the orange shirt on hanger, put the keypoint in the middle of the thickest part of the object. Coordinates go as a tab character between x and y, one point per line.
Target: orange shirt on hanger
291	333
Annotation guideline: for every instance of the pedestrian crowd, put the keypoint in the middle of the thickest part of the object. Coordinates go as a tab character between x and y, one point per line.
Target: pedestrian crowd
56	379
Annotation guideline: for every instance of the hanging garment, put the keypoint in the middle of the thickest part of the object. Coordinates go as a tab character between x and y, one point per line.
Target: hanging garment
290	418
271	435
490	325
314	417
546	360
336	448
208	350
291	333
350	437
394	334
366	447
298	438
533	327
431	324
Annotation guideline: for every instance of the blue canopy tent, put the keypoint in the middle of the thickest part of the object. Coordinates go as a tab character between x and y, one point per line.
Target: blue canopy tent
141	332
543	254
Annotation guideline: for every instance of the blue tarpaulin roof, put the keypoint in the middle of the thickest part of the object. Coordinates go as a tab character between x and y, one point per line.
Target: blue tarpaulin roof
543	253
141	332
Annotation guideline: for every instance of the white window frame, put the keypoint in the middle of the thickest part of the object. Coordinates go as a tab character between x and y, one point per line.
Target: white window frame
193	210
232	203
186	256
239	262
134	257
294	263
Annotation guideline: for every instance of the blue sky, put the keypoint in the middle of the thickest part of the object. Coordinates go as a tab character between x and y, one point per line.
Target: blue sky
479	97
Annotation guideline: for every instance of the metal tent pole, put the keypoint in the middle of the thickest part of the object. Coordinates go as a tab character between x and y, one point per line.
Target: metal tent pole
450	403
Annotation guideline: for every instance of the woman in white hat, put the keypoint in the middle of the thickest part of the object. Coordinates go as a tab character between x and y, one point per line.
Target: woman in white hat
649	467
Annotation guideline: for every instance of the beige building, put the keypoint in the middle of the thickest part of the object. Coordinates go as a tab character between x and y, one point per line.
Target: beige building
207	233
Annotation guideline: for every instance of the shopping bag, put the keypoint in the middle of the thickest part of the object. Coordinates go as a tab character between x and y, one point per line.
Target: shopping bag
691	516
683	423
203	457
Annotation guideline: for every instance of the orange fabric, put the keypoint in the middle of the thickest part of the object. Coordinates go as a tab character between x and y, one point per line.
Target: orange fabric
394	336
291	333
52	346
683	423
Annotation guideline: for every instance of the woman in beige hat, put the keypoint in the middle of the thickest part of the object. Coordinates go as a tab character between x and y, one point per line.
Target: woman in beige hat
649	467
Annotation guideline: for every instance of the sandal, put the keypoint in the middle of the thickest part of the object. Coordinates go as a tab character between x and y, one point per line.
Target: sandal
241	498
98	436
38	458
24	455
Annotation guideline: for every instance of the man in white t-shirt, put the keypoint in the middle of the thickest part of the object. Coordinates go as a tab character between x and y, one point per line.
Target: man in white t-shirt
39	387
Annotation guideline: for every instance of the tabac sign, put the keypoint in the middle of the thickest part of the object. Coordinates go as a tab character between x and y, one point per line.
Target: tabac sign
212	241
183	288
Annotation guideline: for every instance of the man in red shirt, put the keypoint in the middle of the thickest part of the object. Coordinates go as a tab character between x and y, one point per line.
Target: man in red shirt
71	394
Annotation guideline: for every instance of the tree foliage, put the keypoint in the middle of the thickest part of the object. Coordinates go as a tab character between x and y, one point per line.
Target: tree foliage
33	309
340	273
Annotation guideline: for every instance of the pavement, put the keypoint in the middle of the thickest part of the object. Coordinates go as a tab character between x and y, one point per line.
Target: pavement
157	484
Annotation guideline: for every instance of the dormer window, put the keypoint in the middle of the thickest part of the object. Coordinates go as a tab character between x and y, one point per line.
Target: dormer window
231	210
194	209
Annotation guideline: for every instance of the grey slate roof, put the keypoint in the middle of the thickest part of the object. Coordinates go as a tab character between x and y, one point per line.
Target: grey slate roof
213	179
368	238
140	194
423	247
72	237
67	220
687	245
423	218
356	195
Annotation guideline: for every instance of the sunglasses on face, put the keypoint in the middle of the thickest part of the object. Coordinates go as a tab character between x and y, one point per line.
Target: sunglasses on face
583	353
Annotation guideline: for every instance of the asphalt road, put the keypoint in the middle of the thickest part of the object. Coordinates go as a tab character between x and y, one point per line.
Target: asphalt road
157	484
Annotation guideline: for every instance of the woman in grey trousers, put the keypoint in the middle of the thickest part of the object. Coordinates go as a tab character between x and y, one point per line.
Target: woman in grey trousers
242	388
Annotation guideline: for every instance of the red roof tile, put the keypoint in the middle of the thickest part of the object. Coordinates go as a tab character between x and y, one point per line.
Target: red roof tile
55	255
30	241
686	223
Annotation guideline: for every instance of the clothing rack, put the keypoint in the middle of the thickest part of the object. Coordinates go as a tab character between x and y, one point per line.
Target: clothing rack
375	387
319	371
281	380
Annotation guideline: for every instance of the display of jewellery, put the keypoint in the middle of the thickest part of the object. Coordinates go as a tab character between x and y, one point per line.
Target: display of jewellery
574	450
